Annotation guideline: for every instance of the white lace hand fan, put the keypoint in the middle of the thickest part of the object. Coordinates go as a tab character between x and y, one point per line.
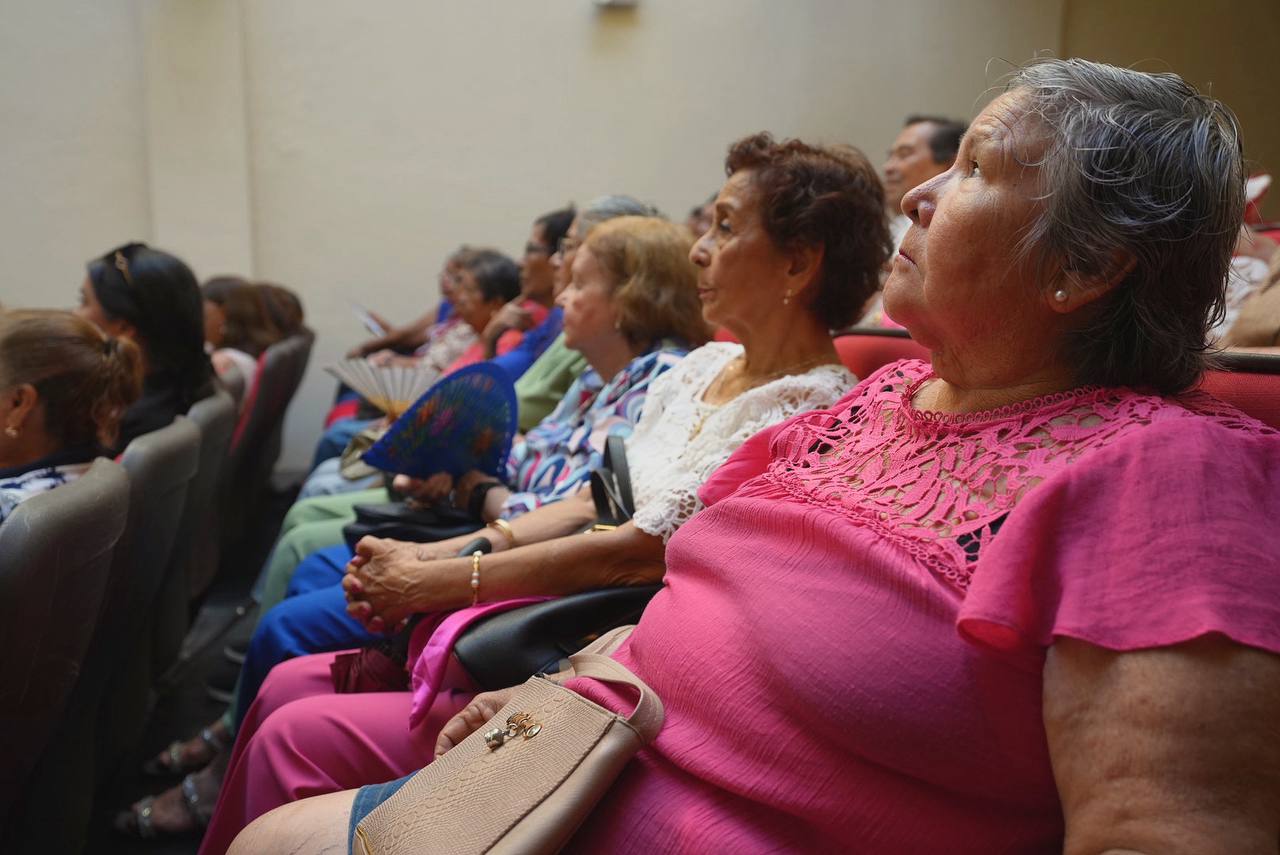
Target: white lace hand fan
390	388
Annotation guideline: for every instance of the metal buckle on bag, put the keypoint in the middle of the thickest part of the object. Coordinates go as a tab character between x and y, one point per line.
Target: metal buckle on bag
518	724
602	527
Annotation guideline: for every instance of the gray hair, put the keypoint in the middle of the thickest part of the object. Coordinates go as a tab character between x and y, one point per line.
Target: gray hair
606	208
1137	167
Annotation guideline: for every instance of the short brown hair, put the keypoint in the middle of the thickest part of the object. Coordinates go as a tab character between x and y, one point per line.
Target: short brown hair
85	379
657	285
823	196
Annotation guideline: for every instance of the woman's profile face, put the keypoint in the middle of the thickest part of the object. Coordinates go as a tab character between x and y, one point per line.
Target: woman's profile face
562	259
469	303
589	313
91	310
957	283
215	322
537	277
741	272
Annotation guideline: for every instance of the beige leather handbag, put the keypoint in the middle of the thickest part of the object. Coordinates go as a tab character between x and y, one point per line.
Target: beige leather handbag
525	781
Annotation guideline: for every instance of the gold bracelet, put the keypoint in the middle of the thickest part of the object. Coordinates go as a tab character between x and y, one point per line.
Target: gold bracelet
475	576
504	528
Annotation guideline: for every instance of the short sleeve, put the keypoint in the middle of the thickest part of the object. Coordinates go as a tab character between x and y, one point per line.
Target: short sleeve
1168	534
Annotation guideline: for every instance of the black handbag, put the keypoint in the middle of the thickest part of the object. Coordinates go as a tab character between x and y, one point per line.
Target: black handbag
400	521
508	648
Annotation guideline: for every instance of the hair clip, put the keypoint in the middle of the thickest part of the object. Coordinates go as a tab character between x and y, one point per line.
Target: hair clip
122	264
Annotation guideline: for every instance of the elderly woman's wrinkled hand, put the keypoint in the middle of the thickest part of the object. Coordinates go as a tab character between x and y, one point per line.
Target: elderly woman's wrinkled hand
424	491
472	717
379	583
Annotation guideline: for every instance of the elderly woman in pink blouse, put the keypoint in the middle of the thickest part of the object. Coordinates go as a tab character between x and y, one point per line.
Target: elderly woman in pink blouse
1023	599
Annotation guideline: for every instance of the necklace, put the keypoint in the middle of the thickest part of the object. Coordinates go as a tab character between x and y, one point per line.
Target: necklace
736	366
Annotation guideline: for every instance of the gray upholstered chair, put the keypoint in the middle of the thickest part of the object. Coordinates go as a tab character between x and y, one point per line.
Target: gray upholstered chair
55	557
196	548
161	467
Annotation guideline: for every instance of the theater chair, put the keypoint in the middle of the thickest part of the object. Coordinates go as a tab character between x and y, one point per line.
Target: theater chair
256	442
108	707
864	350
194	561
161	467
1249	382
55	559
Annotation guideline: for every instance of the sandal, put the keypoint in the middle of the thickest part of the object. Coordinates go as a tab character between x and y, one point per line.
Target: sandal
139	820
198	753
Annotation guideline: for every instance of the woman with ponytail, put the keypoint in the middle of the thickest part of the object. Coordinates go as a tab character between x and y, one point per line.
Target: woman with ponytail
152	299
64	387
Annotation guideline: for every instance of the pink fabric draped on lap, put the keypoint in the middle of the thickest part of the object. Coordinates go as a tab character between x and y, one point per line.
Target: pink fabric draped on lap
317	741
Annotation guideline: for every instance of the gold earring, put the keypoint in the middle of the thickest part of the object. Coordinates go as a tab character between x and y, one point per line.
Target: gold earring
786	298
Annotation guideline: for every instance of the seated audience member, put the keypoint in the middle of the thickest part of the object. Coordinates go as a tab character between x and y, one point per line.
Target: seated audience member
237	329
701	216
541	387
317	522
1017	600
779	276
435	349
1249	275
487	281
925	147
63	387
151	298
1257	321
631	334
284	308
537	291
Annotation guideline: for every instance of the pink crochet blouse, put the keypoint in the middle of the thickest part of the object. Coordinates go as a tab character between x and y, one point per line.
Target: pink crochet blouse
851	637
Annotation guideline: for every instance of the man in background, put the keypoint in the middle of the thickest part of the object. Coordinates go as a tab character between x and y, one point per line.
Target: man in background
926	146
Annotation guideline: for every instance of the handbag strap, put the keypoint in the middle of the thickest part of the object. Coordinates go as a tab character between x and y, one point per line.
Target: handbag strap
615	458
648	715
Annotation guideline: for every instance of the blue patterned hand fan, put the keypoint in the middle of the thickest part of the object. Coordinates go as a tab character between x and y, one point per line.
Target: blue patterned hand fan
466	421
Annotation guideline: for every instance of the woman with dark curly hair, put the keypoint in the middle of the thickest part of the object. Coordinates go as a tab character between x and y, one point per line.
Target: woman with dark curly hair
795	247
1020	600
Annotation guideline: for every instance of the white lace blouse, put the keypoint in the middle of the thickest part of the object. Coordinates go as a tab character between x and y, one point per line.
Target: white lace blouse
680	439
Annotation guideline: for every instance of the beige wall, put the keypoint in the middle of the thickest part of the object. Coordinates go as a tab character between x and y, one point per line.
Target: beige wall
343	148
383	134
74	179
1226	49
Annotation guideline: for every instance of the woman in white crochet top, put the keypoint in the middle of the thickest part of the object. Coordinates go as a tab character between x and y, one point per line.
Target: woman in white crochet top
794	250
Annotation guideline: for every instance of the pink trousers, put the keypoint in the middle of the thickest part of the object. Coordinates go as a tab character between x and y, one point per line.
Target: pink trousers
300	739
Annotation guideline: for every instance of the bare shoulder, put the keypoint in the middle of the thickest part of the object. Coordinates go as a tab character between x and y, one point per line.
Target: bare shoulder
1167	750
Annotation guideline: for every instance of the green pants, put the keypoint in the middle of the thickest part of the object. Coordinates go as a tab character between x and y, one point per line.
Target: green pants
310	525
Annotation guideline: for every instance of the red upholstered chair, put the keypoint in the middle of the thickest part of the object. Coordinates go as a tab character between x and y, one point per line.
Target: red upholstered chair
864	350
1250	382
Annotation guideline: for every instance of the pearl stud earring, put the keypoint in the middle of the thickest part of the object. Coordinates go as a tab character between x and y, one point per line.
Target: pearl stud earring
1060	295
11	432
786	298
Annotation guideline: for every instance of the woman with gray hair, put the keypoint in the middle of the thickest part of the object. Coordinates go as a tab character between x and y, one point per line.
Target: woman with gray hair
1023	599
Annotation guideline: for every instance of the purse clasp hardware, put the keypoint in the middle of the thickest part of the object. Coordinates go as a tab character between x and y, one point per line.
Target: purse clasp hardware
518	724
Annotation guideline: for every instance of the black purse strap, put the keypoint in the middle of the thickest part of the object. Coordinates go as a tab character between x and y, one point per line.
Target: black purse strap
611	485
